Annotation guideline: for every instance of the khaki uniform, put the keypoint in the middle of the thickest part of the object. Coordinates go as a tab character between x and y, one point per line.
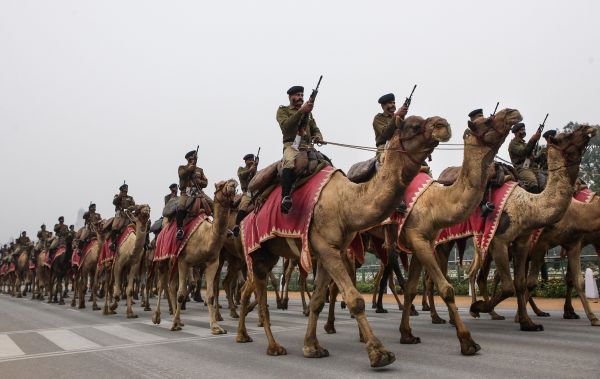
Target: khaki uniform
289	119
44	236
24	241
245	174
384	127
91	218
191	183
61	231
519	151
121	203
169	197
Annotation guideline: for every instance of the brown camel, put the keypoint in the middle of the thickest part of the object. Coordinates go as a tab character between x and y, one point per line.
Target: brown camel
128	255
579	221
87	272
343	209
524	212
22	271
443	206
204	246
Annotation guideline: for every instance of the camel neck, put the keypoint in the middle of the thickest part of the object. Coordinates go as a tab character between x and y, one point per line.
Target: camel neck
221	215
374	201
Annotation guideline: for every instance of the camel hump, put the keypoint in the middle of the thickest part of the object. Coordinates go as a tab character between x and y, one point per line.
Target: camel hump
362	171
449	175
264	177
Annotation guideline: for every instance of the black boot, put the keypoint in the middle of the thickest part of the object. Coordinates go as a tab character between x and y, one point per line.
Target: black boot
179	217
401	208
287	180
487	208
238	220
114	236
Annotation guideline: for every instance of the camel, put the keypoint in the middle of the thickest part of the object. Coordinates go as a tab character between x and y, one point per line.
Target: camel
127	257
22	271
443	206
57	273
579	221
343	209
524	212
87	271
204	246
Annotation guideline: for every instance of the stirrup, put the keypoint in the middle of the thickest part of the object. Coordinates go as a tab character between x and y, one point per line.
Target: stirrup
286	204
487	208
180	234
401	208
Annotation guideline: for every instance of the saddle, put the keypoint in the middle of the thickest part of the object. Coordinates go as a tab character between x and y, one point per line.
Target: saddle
307	163
156	226
499	173
362	171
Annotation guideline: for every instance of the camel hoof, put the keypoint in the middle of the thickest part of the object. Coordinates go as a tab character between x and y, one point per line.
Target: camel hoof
413	311
216	330
156	319
114	306
329	328
469	347
73	304
132	315
136	297
62	302
381	358
233	314
306	312
175	328
437	320
82	306
425	308
497	317
480	306
96	308
243	338
544	314
312	352
276	350
198	299
531	327
374	305
571	316
595	322
343	305
219	317
381	310
147	309
410	340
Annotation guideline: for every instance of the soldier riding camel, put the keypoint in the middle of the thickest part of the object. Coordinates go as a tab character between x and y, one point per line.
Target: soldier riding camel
90	218
521	156
245	174
299	130
43	235
172	194
122	201
191	183
62	232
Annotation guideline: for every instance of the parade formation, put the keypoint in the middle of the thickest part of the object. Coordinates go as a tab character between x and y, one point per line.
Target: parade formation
323	221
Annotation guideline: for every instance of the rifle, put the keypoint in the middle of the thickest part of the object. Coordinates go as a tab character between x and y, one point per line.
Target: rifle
409	98
495	109
257	156
541	129
197	148
311	99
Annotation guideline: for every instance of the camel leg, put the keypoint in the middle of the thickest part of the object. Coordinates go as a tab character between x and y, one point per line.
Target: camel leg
276	288
303	289
116	277
212	268
75	290
381	285
423	250
535	263
574	273
331	260
376	281
94	287
330	324
228	284
59	291
520	254
151	271
312	348
396	271
217	290
288	276
130	292
499	252
247	290
472	273
182	271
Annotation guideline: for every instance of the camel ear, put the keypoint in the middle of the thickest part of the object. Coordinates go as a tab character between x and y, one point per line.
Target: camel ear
553	140
471	125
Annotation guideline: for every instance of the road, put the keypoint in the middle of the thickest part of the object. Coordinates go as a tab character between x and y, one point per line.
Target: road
39	340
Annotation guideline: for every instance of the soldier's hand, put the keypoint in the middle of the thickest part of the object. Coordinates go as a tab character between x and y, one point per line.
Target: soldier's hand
536	136
402	111
306	107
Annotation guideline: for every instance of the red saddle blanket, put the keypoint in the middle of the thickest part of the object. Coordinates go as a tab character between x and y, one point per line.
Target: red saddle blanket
168	246
79	255
269	222
106	254
11	268
60	251
31	265
482	230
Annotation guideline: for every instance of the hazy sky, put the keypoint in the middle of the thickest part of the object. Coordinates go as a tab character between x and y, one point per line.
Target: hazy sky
96	92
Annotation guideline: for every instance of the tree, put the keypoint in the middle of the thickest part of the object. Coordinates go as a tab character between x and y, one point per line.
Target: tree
590	164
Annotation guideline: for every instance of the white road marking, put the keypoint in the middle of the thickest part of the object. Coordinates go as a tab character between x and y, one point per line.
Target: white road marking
8	348
68	340
132	335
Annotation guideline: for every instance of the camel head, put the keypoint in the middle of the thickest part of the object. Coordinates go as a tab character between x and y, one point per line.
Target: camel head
571	145
140	213
225	192
420	135
492	131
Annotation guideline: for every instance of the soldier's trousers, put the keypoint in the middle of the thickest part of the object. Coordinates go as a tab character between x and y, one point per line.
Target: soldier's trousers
528	179
289	156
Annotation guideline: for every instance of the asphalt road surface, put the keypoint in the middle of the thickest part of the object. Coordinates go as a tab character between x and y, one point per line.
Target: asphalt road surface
39	340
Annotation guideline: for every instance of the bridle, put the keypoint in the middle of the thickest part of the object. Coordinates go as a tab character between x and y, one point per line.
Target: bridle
227	203
563	150
420	132
481	136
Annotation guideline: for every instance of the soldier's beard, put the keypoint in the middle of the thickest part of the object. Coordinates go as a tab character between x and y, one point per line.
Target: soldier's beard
298	103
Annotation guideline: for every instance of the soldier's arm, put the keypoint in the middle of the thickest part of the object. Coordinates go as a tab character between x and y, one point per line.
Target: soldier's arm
39	235
116	202
383	130
516	151
243	173
202	182
530	146
56	228
288	124
314	129
86	215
